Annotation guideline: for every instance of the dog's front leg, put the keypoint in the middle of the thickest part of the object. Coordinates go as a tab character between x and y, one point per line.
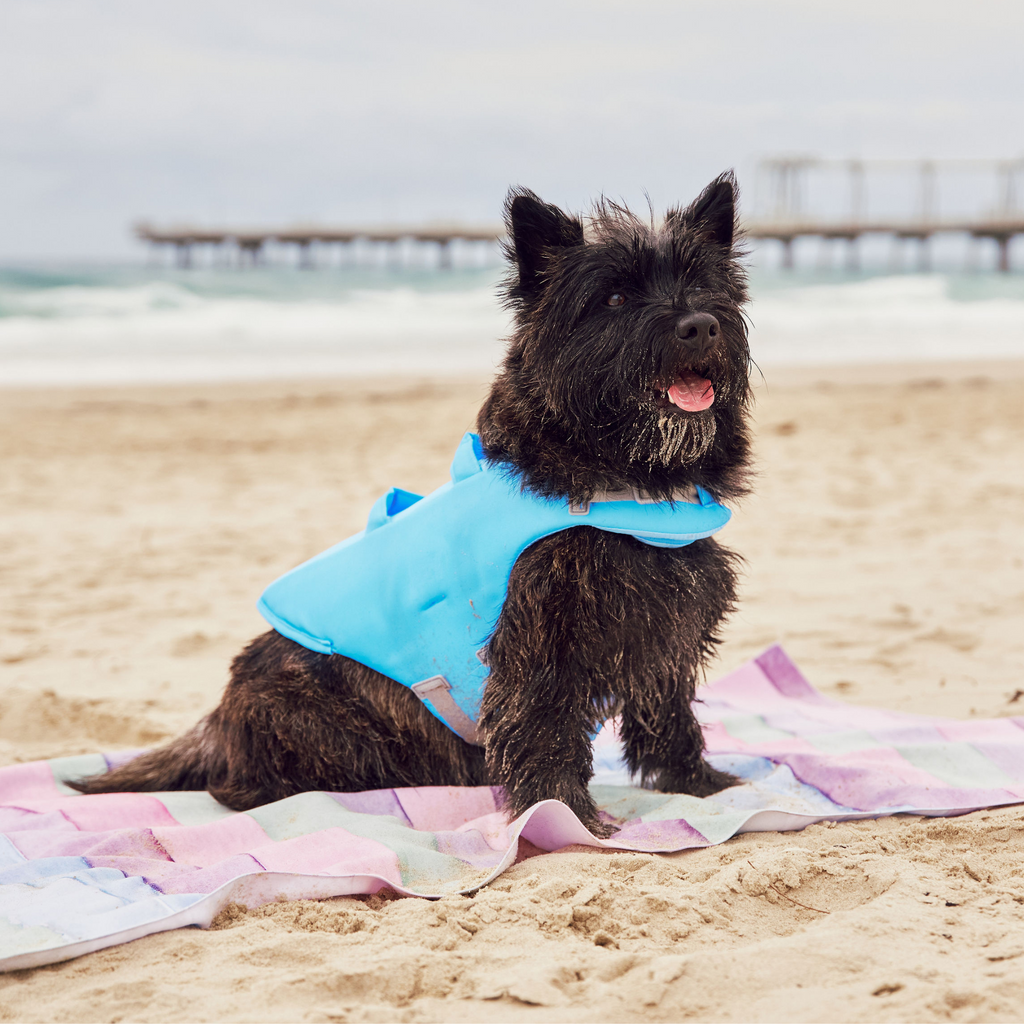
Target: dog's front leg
663	743
538	711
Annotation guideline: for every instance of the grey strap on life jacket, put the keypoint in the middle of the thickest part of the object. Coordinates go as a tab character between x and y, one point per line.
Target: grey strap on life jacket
437	690
687	494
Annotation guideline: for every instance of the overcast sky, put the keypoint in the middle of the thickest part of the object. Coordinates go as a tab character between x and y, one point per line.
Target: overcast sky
271	111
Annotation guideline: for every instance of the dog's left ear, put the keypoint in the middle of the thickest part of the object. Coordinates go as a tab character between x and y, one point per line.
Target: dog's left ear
713	212
536	230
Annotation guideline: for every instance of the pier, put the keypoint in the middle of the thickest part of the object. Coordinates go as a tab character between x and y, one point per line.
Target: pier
793	197
248	246
845	183
999	230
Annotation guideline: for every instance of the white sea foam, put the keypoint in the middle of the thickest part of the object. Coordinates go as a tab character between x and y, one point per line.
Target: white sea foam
887	319
160	331
108	329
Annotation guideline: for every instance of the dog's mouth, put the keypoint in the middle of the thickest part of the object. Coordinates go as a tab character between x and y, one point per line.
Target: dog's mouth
690	392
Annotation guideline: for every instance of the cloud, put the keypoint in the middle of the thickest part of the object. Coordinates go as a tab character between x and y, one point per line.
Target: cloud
262	111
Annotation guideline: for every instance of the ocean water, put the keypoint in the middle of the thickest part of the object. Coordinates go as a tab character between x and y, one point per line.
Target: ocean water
98	325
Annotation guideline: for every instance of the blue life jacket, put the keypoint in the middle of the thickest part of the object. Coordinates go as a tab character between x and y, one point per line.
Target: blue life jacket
417	594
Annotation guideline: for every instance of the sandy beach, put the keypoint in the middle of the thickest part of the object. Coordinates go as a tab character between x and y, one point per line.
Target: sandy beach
884	548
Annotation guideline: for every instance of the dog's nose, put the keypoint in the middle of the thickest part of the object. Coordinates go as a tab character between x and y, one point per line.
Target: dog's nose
699	330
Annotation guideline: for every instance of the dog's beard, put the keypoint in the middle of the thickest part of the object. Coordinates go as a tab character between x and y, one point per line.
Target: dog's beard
669	439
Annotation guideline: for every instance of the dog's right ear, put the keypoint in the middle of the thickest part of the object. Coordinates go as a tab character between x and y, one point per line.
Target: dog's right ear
536	230
713	212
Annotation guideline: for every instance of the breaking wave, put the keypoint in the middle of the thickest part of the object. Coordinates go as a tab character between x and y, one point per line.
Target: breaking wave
136	325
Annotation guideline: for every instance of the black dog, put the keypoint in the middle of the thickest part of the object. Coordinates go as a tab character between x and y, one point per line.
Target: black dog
628	369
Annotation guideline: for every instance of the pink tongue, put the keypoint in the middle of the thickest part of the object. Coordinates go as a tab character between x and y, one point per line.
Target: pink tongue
692	392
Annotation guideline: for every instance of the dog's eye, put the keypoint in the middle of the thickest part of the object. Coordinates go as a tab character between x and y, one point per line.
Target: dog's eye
615	299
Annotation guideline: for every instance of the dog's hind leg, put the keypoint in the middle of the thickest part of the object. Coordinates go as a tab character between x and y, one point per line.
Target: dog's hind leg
292	720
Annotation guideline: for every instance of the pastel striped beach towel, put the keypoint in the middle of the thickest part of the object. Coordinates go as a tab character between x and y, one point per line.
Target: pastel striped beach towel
79	873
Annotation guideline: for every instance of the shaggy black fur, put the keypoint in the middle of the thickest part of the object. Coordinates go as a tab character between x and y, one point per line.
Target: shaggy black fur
608	314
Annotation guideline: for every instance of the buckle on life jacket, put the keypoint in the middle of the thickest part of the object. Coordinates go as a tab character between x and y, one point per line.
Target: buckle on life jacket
437	690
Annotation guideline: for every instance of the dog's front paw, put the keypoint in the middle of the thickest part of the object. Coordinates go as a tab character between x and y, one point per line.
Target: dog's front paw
595	821
702	781
578	801
714	781
600	829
